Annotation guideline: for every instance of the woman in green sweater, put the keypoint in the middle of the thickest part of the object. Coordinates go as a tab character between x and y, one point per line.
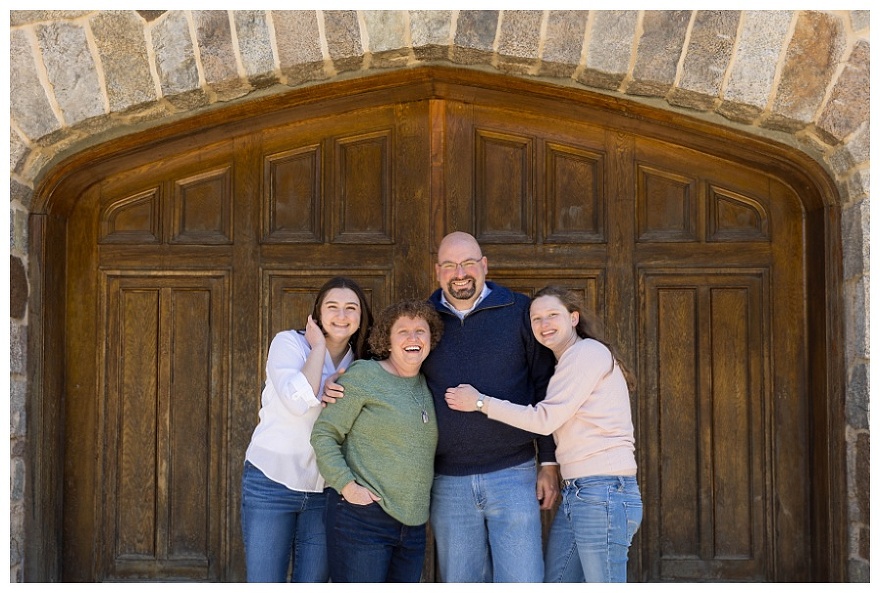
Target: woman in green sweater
375	448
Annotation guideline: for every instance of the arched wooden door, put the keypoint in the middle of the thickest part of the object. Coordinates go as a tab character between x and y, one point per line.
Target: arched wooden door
184	258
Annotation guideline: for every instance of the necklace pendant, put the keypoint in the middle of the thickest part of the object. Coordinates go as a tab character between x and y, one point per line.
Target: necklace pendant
425	416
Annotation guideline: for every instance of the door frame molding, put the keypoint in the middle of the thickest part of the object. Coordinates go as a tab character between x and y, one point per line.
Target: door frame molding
58	191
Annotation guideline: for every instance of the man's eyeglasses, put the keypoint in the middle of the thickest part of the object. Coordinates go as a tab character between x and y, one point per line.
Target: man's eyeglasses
467	265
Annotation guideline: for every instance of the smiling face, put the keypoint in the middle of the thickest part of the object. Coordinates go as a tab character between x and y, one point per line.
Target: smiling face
410	339
461	269
553	324
340	314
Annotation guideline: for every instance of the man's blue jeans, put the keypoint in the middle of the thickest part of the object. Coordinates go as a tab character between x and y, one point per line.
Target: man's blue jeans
593	529
279	524
488	526
367	545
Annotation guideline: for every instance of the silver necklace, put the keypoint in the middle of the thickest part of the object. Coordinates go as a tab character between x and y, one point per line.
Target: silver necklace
421	404
412	391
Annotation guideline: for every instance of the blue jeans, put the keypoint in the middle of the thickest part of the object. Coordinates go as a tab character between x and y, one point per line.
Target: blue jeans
280	525
488	526
593	529
367	545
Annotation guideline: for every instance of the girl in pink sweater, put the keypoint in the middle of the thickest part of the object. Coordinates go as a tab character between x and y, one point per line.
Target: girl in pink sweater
587	409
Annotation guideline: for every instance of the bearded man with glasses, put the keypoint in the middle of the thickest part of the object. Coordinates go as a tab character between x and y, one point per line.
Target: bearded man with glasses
488	488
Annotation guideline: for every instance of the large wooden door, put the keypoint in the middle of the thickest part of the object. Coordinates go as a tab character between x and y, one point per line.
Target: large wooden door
185	259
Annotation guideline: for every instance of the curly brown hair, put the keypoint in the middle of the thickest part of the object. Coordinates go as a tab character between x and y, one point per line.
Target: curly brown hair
380	336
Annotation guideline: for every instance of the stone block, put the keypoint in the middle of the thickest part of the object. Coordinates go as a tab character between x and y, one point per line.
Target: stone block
690	99
71	71
519	35
609	48
151	15
738	112
475	36
809	64
18	151
855	221
17	409
386	29
299	45
563	42
17	473
19	231
343	35
856	303
122	51
858	394
850	101
430	34
18	288
859	145
387	34
25	17
859	183
860	19
17	348
254	47
858	571
659	51
519	38
29	106
863	478
750	84
217	52
175	55
708	53
20	193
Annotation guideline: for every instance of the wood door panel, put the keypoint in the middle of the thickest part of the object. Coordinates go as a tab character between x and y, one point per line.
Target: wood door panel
504	196
201	208
666	206
686	197
165	397
132	219
574	188
292	196
589	285
361	189
133	394
518	179
186	199
704	424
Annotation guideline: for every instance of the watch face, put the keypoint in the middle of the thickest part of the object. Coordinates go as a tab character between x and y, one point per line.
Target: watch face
479	403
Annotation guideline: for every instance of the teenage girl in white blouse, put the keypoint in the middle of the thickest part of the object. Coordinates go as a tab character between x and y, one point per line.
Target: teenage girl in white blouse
282	498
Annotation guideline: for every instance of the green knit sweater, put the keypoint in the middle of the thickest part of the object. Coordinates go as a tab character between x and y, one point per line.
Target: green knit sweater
376	436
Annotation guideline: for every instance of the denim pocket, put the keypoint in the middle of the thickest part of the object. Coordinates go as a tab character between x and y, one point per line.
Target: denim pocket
633	511
595	493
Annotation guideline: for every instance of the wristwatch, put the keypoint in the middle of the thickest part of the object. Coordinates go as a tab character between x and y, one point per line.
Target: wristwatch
480	403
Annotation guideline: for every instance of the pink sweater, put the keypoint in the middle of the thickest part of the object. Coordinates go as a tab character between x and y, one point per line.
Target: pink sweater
588	411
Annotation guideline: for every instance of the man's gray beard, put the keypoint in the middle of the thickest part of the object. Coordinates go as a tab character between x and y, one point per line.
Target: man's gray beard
463	294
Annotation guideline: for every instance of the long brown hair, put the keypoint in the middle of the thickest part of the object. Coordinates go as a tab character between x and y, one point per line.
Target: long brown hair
359	339
588	325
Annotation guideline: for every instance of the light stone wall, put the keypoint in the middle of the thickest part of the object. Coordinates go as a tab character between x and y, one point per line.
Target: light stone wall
78	78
